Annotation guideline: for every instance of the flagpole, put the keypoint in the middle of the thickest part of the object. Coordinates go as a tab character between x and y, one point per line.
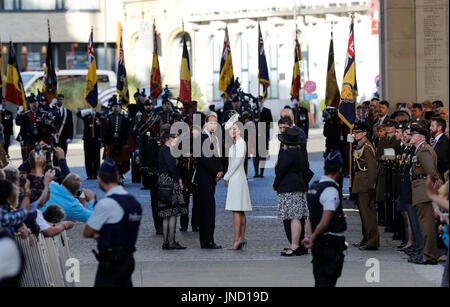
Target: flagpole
259	33
351	144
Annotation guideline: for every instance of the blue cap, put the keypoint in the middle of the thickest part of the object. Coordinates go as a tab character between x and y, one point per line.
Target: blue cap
334	159
109	167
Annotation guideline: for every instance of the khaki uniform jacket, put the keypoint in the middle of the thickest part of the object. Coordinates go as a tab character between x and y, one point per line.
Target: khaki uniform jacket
423	163
365	166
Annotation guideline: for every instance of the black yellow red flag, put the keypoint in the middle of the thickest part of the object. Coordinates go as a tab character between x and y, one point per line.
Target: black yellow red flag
15	92
332	95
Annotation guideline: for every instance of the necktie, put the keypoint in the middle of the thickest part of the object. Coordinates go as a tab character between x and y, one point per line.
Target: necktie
433	142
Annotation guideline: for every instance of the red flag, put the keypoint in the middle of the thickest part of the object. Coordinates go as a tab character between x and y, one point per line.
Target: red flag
296	82
155	77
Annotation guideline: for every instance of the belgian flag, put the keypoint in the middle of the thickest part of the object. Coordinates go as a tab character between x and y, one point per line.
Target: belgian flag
15	92
332	96
185	76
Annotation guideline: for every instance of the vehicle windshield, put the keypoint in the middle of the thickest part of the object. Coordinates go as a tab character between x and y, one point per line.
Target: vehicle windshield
26	78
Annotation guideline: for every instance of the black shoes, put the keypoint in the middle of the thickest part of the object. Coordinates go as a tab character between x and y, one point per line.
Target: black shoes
194	229
300	251
359	244
159	231
368	248
421	261
173	245
183	229
211	246
295	252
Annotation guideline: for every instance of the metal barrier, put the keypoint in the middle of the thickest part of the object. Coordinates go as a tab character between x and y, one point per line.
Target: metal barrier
44	261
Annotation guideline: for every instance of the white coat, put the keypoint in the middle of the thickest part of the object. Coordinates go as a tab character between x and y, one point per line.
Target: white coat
238	196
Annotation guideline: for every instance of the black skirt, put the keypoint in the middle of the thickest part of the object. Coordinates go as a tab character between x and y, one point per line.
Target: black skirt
176	206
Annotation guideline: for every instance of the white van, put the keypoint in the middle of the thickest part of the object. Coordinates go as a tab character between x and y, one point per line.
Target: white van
106	81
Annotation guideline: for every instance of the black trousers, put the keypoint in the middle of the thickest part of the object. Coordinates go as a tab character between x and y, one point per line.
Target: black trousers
184	218
7	142
256	161
328	260
157	220
207	215
115	275
91	157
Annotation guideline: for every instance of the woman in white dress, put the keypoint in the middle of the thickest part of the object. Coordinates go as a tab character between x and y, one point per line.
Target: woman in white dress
238	196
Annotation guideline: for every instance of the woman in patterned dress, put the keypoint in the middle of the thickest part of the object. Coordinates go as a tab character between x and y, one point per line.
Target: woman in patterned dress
290	186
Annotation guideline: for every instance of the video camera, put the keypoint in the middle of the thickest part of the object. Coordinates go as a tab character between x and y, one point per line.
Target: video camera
330	114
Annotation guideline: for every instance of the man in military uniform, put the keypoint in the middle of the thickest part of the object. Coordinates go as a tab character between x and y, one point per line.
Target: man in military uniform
116	132
134	108
146	131
64	124
363	185
165	112
6	124
386	211
265	117
114	223
91	141
404	192
34	126
301	115
424	162
327	224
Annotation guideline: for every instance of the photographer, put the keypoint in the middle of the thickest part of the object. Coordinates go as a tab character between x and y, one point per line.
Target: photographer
62	170
77	205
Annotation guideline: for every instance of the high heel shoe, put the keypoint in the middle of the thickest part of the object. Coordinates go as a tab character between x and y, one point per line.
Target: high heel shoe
294	252
243	245
238	245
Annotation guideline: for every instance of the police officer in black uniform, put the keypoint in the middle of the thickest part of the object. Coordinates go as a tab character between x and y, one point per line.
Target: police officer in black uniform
114	223
327	224
91	140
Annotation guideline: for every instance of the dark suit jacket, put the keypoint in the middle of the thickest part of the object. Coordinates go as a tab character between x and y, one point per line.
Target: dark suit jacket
67	131
207	167
442	151
289	171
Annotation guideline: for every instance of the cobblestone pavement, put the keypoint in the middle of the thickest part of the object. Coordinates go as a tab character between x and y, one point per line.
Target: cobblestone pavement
261	265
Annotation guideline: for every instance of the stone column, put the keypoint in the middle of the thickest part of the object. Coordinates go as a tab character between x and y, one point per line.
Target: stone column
414	50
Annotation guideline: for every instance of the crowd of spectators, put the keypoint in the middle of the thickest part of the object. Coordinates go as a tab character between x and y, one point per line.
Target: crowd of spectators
40	197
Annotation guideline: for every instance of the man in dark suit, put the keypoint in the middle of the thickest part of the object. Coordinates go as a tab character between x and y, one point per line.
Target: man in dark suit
6	120
440	144
383	110
264	117
209	172
64	125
